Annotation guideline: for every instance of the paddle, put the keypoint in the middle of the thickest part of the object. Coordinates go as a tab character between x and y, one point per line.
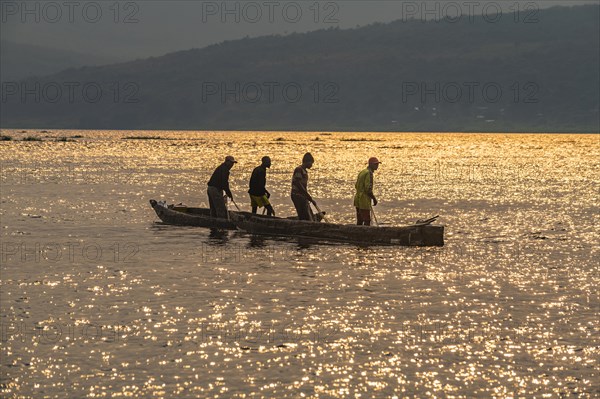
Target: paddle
236	205
321	212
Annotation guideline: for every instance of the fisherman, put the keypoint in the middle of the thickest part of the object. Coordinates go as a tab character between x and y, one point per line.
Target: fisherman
259	195
364	193
300	195
219	183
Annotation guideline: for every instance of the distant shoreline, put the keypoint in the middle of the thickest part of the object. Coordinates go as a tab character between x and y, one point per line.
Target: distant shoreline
4	130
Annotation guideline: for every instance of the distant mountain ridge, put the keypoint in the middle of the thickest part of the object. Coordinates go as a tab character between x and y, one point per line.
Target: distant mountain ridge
20	61
402	76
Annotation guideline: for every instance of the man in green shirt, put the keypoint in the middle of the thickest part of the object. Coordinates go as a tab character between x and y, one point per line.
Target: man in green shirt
364	193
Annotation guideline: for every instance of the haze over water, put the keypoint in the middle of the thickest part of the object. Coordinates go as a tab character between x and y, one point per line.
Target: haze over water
99	299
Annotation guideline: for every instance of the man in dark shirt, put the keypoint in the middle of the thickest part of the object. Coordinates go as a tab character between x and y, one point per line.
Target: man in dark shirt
300	195
259	196
219	183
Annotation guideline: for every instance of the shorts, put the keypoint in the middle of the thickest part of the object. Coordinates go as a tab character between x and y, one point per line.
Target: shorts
363	217
259	202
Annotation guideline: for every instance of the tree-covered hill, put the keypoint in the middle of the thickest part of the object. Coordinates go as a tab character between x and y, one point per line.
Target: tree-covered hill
403	76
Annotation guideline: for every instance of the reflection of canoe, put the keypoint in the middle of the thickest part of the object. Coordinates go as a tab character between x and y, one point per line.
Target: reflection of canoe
199	217
414	235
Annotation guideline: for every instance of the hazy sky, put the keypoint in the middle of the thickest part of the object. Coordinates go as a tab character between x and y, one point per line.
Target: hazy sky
131	29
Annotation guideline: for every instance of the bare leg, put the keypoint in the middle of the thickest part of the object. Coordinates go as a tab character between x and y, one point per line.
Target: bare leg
270	210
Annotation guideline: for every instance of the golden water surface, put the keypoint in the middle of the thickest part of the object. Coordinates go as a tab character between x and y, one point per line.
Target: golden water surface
98	299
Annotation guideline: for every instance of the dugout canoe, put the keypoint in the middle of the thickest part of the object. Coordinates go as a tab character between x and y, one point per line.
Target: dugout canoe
178	215
423	234
186	216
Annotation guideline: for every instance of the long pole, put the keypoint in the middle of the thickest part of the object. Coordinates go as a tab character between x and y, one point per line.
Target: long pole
236	205
374	216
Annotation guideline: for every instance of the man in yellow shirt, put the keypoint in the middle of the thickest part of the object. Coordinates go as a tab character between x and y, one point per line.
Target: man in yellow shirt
364	193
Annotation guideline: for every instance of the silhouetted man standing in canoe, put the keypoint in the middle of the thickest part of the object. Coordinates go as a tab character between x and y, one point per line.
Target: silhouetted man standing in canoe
219	184
300	195
259	196
364	193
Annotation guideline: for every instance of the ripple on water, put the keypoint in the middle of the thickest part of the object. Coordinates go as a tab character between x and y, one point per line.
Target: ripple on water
97	300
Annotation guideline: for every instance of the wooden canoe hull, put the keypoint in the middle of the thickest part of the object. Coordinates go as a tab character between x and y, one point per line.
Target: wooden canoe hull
197	217
415	235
